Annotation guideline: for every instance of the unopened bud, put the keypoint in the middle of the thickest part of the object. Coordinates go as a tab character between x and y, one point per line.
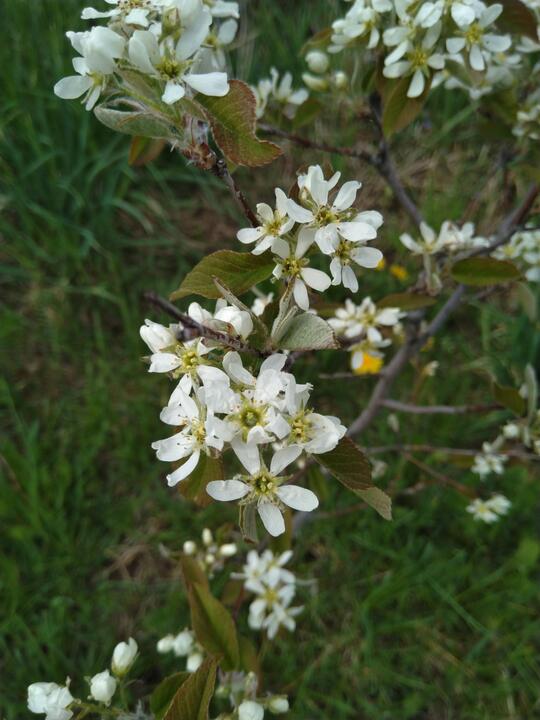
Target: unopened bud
317	61
190	548
228	550
340	80
207	537
318	84
278	705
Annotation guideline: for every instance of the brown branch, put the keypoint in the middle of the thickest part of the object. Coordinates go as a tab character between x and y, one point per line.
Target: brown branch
424	448
417	340
381	162
437	409
221	171
193	329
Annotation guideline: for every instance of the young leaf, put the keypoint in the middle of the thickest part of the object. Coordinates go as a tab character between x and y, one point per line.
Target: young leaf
406	301
143	150
517	18
532	392
398	109
308	332
248	522
194	486
238	271
306	113
164	693
233	122
213	625
350	466
192	699
193	572
134	123
249	661
480	271
509	398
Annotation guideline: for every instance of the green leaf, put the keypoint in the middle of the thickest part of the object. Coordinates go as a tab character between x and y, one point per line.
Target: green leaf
194	486
164	693
319	40
406	301
528	301
213	625
398	109
350	466
509	398
517	18
238	271
249	661
306	113
247	521
192	572
233	123
532	392
143	150
192	699
308	332
134	123
480	271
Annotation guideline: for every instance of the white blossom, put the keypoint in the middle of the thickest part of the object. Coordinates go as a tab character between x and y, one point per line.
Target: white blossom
292	266
103	687
479	44
488	461
489	511
355	320
124	656
51	700
264	487
183	645
99	48
274	225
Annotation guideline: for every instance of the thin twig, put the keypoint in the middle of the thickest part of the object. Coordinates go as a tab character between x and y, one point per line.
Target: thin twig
417	340
432	449
193	329
437	409
220	170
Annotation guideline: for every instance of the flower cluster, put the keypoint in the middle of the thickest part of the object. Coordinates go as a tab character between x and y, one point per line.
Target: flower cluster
527	126
489	511
362	328
524	246
183	645
56	701
275	95
456	42
240	690
274	588
176	45
450	239
211	556
316	219
220	404
489	460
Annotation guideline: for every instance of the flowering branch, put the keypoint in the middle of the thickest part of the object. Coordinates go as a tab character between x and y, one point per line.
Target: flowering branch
437	409
197	329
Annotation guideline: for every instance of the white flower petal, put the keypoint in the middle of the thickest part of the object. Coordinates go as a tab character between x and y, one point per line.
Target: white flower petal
272	518
184	470
297	497
214	84
283	458
226	490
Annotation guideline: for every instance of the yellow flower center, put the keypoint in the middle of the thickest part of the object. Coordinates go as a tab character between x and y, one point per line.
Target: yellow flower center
292	267
300	427
263	484
169	68
418	58
474	34
325	216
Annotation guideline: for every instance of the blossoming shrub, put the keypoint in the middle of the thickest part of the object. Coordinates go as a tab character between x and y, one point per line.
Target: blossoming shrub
239	425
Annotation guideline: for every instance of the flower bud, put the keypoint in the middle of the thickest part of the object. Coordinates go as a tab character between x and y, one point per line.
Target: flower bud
194	661
183	643
239	319
207	537
317	61
210	559
166	644
340	80
103	687
190	548
123	657
249	710
318	84
228	550
511	430
278	705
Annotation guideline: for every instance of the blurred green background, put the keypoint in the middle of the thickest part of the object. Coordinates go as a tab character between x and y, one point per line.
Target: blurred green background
431	616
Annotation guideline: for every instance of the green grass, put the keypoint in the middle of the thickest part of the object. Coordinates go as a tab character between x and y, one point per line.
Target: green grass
428	617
